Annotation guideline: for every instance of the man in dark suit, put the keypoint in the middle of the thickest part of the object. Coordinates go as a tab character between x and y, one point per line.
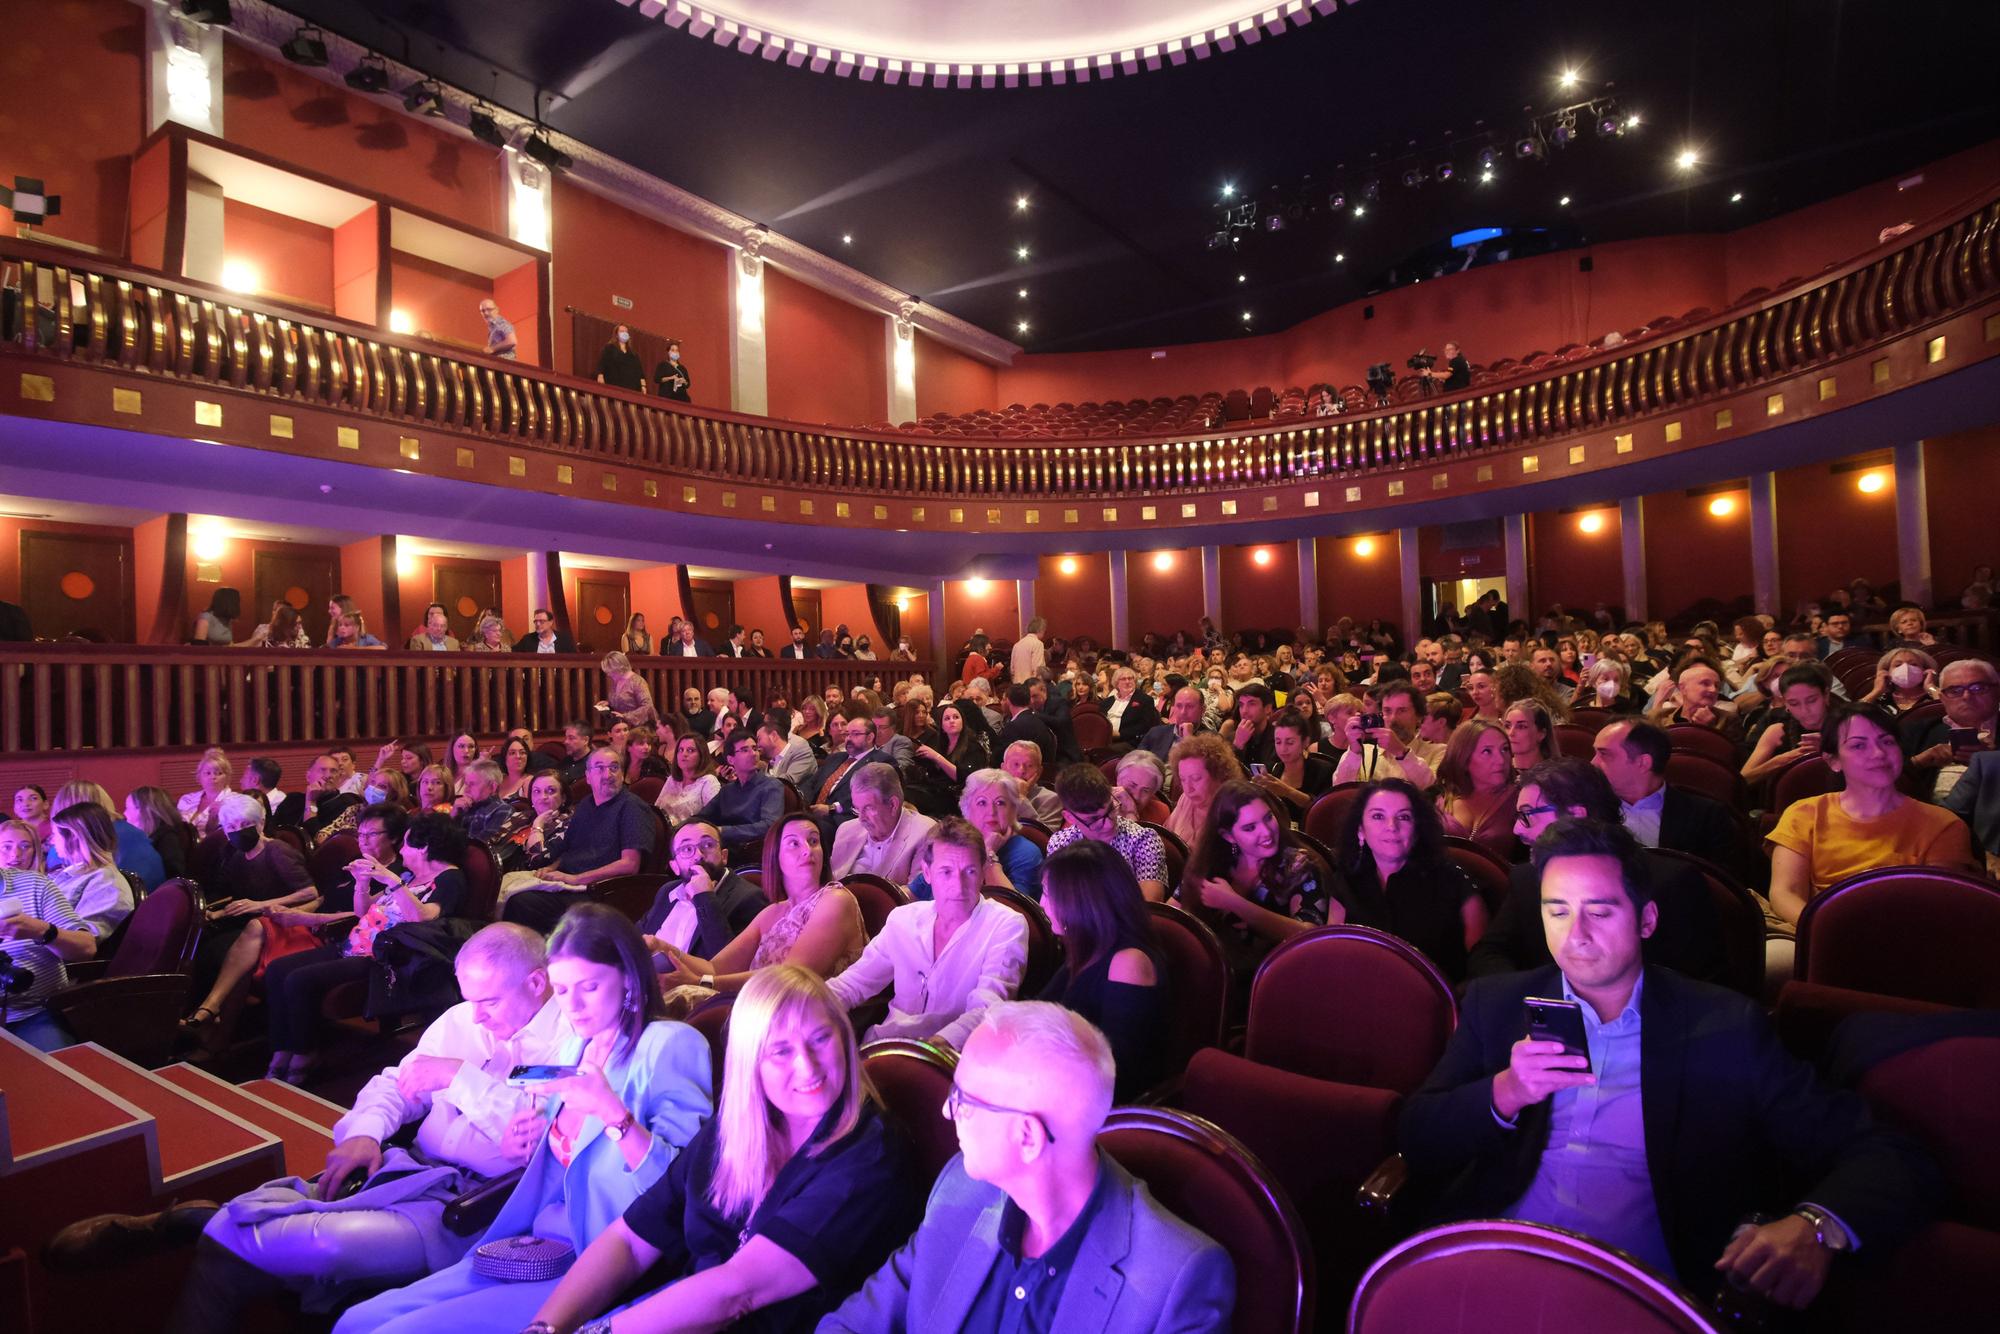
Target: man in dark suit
1055	713
1689	937
733	646
1666	1132
827	796
1632	754
705	905
1024	724
1183	721
797	649
545	638
1840	634
321	799
687	646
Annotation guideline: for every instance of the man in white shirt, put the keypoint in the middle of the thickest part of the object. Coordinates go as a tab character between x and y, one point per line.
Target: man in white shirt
316	1238
948	958
885	834
1025	663
1393	750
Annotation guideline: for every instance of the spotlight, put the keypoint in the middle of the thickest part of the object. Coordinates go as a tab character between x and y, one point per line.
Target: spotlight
1489	158
485	128
1217	240
1339	258
1736	198
1067	565
1020	252
1336	201
424	98
1486	178
1563	202
1413	178
240	276
1687	159
370	76
1563	130
1443	172
1632	121
1568	79
1261	556
307	47
1246	317
1591	523
1021	326
1722	507
1371	190
1021	204
1530	149
847	238
1228	191
1359	211
1023	294
541	150
1274	222
977	587
1242	277
1364	547
1610	124
209	12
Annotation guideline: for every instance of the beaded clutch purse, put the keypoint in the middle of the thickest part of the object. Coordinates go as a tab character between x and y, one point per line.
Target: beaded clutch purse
523	1259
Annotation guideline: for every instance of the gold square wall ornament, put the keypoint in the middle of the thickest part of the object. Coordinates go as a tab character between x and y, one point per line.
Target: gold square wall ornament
1396	487
957	514
1353	494
917	513
729	500
1111	514
881	512
1993	328
407	446
993	518
206	413
1774	405
464	457
1485	473
37	388
1270	504
1312	500
842	510
1228	507
1531	463
281	428
1576	453
1148	513
1622	442
1828	387
1029	516
650	489
1189	510
516	466
609	481
1725	418
565	474
770	504
1934	350
349	437
1440	480
806	508
1673	432
1879	370
126	401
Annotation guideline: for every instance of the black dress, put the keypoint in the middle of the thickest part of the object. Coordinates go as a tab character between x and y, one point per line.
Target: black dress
1131	1017
621	368
1423	907
671	380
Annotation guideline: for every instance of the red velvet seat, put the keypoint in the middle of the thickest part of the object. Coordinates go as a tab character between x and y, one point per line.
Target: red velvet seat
1176	853
1911	931
648	789
1093	733
330	856
1388	1011
482	883
1705	777
1807	778
1044	945
711	1020
1196	981
1483	866
913	1078
1505	1277
877	897
1328	812
133	1008
1706	741
1594	719
631	895
1742	919
1574	738
1214	1184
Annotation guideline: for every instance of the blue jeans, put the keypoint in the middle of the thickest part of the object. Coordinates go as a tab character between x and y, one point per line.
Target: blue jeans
42	1031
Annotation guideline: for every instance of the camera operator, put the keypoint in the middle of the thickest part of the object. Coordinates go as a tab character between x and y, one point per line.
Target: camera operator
1455	374
39	933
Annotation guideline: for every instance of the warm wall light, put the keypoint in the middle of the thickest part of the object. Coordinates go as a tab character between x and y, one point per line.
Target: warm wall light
1364	547
401	323
902	606
406	564
1262	555
240	275
1163	560
1722	506
1067	565
1591	523
1872	482
209	543
977	587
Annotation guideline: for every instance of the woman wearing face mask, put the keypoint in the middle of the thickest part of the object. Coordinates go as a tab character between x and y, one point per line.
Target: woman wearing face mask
903	652
671	376
618	365
1904	678
1603	686
254	876
383	785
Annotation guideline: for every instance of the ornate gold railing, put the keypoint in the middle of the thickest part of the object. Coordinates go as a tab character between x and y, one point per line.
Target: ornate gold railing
93	312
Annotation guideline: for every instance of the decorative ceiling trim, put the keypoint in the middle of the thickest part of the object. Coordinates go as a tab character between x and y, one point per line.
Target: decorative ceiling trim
265	28
714	21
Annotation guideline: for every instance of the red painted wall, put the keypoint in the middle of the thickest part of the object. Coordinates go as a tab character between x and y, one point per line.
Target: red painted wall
1692	555
758	607
656	595
518	294
917	625
1079	603
825	360
847	604
679	291
10	548
950	381
1572	567
1830	533
997	612
293	257
1363	587
1959	476
1263	596
238	565
74	117
1164	601
443	302
356	261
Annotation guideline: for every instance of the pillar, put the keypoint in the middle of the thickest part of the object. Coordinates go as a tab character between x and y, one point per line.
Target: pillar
1514	541
1632	555
1913	525
183	71
748	386
1410	571
940	650
1764	543
1120	563
1309	584
1024	597
1211	586
902	399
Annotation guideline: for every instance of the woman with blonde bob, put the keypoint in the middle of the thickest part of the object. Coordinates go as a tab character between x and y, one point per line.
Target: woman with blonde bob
783	1203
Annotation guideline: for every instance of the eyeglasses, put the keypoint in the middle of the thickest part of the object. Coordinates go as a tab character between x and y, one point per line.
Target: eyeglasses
957	1100
1098	819
1527	813
1974	688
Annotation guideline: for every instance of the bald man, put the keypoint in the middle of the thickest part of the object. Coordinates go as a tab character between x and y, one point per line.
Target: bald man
1033	1227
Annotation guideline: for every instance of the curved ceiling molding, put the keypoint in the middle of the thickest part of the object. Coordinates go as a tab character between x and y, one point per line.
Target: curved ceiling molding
1003	44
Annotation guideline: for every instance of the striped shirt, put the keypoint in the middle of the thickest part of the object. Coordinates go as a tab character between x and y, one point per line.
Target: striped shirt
32	894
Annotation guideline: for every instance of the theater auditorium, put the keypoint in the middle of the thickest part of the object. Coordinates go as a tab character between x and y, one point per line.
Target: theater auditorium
1043	667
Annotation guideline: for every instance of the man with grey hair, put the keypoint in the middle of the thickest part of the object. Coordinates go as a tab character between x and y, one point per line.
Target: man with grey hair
980	691
1023	762
885	834
374	1218
1034	1226
1030	657
1942	747
482	810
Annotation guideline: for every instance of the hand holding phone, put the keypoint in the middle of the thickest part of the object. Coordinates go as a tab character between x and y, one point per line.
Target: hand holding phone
1552	1057
527	1076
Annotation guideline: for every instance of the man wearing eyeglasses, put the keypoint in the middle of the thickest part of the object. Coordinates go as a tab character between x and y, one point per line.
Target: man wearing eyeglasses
1085	794
1034	1228
545	638
1970	689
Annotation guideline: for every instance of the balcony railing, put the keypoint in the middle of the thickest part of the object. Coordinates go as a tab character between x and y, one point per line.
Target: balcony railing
90	312
84	697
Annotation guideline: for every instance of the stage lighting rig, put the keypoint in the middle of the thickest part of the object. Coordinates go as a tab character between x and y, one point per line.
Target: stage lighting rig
370	76
306	47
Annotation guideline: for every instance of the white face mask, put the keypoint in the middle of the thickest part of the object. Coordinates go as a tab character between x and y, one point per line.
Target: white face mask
673	356
1607	688
624	338
1907	675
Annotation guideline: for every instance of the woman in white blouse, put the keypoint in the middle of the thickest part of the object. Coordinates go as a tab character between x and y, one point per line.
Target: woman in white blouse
949	958
691	782
214	775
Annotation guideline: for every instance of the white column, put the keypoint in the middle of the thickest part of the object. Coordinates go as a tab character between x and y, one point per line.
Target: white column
1024	595
202	258
183	71
1121	602
940	651
1309	584
902	399
1211	585
1514	539
1913	524
748	387
1764	543
530	199
1632	555
1412	581
538	579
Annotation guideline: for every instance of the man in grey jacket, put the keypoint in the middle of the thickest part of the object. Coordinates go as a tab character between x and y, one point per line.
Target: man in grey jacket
1033	1226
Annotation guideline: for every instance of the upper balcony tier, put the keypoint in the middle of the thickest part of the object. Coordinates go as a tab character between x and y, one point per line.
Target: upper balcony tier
126	349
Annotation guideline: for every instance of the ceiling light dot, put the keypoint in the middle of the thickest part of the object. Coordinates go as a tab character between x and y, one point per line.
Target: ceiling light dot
1228	190
1569	78
1021	204
1632	121
1023	294
1020	252
1339	258
846	238
1021	327
1563	202
1067	565
1722	506
1736	198
1486	178
1246	316
1359	210
1686	159
1163	560
1242	277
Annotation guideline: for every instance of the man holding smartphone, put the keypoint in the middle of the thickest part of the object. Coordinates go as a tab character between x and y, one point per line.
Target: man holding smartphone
1657	1136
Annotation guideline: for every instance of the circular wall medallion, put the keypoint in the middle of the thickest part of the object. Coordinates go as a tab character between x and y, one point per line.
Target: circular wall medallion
296	598
467	607
602	615
76	585
709	619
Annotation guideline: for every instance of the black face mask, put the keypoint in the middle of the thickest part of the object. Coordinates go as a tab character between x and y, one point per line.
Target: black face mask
245	838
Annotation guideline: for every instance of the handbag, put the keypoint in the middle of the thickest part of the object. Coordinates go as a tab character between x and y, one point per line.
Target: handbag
523	1259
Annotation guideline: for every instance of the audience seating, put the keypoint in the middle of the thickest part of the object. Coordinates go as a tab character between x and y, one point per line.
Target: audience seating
134	1007
482	882
1687	739
1574	738
1196	978
1483	866
1328	812
1807	778
1741	915
1044	945
1503	1277
648	789
711	1020
877	897
329	859
1175	853
1708	778
1916	932
1205	1176
1391	1010
1592	720
1093	734
631	895
913	1078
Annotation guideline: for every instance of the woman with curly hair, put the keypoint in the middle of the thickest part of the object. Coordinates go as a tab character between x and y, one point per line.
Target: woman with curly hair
1199	765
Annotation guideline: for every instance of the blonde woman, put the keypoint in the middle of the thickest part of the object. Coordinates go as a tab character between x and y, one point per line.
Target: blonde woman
788	1198
629	699
90	878
1199	766
213	775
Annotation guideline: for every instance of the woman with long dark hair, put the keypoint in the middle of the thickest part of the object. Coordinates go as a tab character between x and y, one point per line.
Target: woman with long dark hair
968	742
1112	973
1248	872
1391	872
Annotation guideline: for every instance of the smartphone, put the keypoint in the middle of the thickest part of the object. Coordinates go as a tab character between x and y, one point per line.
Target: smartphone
1966	738
521	1076
1257	771
1558	1021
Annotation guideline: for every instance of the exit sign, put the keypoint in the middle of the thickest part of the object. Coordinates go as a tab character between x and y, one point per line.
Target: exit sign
622	302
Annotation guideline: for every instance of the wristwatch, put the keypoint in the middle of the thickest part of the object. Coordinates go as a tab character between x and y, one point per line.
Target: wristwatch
1827	1230
708	980
616	1130
49	936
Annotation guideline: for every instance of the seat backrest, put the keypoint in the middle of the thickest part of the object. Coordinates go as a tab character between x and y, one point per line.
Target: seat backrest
1596	720
1947	1094
1093	732
206	856
1035	834
1574	738
711	1020
1505	1277
295	839
877	897
1396	1010
482	882
647	789
1196	982
1807	778
1706	741
161	933
330	856
1741	916
1706	777
631	895
912	1078
1483	866
1216	1186
1329	812
1044	945
1912	931
1174	851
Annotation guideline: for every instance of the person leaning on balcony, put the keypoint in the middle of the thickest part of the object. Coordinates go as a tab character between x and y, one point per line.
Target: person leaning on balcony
618	365
436	636
500	339
671	375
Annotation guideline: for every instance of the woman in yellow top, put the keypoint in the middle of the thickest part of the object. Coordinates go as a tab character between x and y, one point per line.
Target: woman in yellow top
1822	840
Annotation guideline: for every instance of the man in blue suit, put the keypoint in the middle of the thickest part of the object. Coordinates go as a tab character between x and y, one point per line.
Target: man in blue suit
1033	1227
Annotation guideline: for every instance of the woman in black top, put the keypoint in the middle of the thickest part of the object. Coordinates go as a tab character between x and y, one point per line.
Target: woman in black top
671	377
618	365
1299	775
151	811
785	1201
1111	971
968	743
1393	874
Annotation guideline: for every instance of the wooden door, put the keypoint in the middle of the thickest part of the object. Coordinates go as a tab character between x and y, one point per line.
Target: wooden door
714	610
600	614
805	605
77	584
306	580
466	588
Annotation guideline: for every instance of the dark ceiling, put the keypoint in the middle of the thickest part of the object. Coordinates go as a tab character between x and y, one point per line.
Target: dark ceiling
1788	102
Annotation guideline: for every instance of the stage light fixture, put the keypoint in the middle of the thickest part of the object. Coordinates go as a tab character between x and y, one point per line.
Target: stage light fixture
1217	240
370	76
1443	172
208	12
1736	198
1563	202
1021	204
1339	258
1610	124
1228	190
1371	190
1359	211
847	238
1337	200
1274	222
306	47
485	128
1242	277
424	98
1020	252
1568	79
1414	177
1021	326
1489	158
1486	177
1687	159
1023	294
541	150
1632	121
1530	148
1246	317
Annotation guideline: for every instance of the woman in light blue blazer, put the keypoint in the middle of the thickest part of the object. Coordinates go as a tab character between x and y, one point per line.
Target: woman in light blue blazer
609	1131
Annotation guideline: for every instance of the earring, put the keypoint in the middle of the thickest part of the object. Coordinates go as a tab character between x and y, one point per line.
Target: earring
631	1001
